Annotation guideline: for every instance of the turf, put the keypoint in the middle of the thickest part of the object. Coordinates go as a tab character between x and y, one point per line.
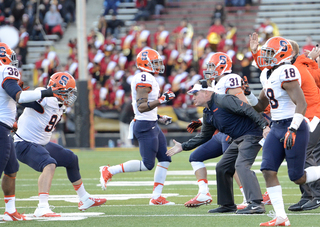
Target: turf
137	212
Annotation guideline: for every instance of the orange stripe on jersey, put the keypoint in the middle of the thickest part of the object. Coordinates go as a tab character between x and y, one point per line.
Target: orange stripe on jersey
9	78
227	138
286	82
238	93
144	85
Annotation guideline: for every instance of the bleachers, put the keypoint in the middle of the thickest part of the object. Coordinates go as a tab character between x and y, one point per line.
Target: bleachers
295	19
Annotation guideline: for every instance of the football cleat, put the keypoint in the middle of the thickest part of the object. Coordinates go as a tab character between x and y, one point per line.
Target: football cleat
243	205
105	176
160	201
266	199
199	200
45	211
14	217
277	221
91	202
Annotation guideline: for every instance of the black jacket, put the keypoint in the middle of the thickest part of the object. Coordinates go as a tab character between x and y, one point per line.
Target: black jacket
229	115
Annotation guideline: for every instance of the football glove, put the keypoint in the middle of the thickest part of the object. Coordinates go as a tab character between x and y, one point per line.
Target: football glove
166	97
21	84
290	138
164	119
194	125
245	86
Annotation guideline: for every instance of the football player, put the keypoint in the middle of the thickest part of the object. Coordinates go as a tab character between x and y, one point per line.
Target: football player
33	146
220	75
152	142
309	76
289	134
10	93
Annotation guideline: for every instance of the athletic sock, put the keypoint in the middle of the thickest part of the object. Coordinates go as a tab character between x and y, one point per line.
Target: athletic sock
160	175
275	194
10	203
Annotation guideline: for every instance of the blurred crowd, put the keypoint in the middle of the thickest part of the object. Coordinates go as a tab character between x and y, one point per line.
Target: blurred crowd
111	56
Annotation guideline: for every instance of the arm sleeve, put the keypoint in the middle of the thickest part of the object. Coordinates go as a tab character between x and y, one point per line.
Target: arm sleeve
34	105
11	87
205	135
235	105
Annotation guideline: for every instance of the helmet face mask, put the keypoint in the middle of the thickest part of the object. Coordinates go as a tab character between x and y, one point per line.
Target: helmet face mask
274	52
218	64
8	56
65	83
150	60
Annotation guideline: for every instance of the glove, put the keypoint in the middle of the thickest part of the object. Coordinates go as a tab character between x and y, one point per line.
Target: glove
21	83
14	127
165	119
193	125
290	138
245	86
58	92
166	97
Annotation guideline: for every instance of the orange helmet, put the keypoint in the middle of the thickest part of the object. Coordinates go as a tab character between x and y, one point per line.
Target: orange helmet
218	64
274	52
65	82
150	60
7	55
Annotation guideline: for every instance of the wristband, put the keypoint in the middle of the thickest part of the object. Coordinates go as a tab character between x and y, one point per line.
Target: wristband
149	105
252	99
296	121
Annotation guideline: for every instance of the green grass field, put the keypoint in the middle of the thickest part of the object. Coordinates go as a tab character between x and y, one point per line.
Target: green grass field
135	211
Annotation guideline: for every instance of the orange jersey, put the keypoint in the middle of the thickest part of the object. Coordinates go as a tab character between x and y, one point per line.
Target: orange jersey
308	85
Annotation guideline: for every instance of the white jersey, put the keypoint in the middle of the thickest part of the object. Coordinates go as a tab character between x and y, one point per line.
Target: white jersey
226	82
281	104
8	107
146	79
37	127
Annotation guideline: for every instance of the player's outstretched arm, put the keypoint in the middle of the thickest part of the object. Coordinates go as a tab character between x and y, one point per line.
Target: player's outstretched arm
14	91
177	148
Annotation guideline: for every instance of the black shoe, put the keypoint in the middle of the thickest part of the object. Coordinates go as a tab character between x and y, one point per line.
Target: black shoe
253	208
311	204
298	206
224	209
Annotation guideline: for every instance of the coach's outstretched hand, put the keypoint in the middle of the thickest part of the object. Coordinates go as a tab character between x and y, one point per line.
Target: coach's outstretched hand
177	148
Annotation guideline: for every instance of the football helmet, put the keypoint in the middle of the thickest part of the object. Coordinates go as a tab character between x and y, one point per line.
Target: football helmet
274	52
66	84
8	56
150	60
218	64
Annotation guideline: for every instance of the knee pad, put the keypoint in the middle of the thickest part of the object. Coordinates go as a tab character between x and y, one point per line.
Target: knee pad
197	165
73	169
148	165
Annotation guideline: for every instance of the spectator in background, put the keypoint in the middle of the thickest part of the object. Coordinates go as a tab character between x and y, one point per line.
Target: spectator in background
111	4
160	6
53	21
267	30
17	10
23	40
308	46
218	13
102	26
147	12
141	4
67	10
161	37
114	25
125	117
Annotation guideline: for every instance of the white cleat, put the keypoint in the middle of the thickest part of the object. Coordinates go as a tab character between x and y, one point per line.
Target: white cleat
45	211
91	202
